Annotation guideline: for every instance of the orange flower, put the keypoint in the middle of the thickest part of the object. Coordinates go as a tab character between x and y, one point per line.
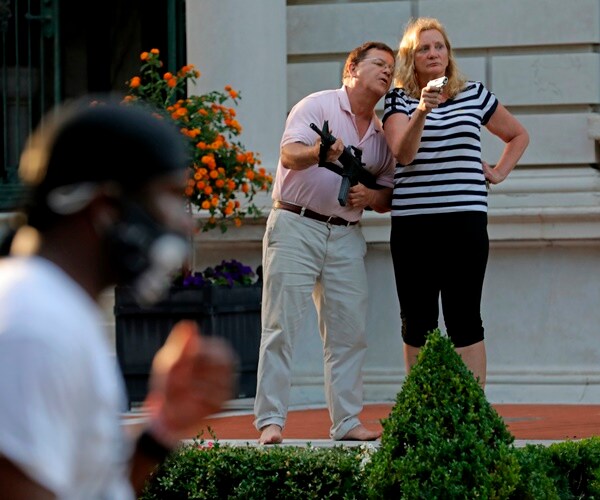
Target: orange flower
220	169
190	133
217	144
209	161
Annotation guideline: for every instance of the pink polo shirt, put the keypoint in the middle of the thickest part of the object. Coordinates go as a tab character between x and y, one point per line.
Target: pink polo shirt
317	187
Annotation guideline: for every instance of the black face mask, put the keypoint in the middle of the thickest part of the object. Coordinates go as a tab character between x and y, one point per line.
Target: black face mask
144	253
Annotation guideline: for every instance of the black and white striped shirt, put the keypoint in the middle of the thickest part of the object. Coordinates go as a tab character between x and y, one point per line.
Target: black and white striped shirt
446	174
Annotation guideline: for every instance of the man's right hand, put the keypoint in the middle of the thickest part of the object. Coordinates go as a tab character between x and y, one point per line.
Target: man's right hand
335	151
191	378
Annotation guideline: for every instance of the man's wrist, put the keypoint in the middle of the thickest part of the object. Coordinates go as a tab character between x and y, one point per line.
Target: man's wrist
159	429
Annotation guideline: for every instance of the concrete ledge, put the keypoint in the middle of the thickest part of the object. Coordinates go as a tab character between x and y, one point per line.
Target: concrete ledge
514	387
505	224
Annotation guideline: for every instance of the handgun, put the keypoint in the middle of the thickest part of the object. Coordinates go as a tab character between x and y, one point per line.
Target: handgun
438	83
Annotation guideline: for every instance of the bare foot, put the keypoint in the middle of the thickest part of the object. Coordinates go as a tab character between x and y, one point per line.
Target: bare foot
361	433
270	434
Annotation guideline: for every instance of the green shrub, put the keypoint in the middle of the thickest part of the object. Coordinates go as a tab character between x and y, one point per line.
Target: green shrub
566	470
443	439
535	482
576	465
274	472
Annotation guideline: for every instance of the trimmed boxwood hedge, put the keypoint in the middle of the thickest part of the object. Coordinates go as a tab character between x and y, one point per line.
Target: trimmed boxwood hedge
276	472
442	439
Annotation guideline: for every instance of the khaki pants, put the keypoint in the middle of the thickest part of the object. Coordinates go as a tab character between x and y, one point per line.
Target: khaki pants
304	258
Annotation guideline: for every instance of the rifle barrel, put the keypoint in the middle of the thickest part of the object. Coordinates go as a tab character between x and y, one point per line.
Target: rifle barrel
317	130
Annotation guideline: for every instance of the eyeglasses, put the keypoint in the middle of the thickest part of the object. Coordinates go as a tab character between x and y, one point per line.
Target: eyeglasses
380	62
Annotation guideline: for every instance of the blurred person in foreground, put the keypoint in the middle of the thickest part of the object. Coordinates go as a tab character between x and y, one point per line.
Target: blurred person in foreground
106	207
314	249
439	240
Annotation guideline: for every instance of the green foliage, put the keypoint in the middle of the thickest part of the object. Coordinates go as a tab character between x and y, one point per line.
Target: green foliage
276	472
221	169
567	470
534	478
577	463
443	439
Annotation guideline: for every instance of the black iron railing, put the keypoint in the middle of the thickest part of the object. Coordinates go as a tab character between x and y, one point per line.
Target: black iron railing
29	80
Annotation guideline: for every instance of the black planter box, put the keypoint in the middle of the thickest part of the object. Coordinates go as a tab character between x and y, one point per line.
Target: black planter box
231	313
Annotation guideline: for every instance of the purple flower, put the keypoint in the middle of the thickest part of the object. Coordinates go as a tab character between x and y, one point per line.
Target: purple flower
227	273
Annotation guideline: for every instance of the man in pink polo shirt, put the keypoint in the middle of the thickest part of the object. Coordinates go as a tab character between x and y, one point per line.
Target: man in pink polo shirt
313	246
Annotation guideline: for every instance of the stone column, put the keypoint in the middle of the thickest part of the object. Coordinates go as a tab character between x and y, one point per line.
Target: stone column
243	44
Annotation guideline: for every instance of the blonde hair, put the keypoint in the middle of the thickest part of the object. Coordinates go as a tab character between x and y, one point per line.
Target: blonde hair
406	76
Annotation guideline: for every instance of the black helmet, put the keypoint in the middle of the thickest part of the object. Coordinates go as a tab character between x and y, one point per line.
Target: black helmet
97	141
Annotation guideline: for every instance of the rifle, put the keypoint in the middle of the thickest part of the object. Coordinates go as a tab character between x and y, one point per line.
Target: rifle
352	170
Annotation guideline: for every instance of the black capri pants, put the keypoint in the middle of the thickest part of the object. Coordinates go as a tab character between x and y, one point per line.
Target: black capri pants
440	254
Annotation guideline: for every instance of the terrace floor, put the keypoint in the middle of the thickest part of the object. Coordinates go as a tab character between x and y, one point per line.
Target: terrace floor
528	423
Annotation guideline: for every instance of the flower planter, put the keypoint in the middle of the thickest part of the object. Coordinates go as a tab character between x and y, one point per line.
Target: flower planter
230	313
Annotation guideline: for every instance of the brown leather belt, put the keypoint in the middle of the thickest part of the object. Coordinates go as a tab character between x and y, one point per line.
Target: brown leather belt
307	212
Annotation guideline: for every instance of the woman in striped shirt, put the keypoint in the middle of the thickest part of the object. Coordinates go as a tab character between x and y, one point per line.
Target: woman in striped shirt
439	239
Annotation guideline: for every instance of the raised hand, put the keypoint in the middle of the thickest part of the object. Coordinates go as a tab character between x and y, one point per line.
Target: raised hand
191	378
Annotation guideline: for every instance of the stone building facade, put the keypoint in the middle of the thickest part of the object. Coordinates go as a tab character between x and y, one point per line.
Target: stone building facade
541	302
